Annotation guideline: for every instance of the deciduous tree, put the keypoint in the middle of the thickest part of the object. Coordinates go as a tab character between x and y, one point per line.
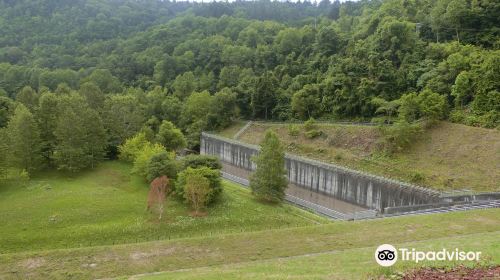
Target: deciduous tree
28	97
123	117
162	164
6	110
212	175
70	133
47	116
196	191
93	95
170	137
96	137
157	195
144	156
132	147
306	102
24	139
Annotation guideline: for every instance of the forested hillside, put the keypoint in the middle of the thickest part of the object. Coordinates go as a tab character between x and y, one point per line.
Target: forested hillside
87	74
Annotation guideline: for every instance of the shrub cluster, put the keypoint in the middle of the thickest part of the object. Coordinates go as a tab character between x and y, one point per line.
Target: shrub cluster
212	175
152	161
311	129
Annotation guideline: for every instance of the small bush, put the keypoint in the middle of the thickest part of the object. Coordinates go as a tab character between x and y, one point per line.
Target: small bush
293	130
213	176
310	125
458	116
142	159
417	177
398	137
490	119
311	134
162	164
24	178
196	161
311	129
338	157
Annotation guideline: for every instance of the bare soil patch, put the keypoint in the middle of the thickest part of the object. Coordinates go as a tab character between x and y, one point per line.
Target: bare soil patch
33	263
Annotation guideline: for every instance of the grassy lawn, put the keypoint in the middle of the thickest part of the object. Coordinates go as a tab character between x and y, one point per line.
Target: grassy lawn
230	131
447	157
480	227
107	206
342	264
94	225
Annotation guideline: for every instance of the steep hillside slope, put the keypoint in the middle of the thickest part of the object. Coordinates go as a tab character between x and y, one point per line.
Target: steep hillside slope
447	157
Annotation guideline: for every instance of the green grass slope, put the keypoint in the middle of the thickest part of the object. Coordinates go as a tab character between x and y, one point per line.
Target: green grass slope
355	263
358	239
447	157
108	206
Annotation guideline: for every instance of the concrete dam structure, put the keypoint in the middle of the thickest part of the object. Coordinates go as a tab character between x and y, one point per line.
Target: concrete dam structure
361	190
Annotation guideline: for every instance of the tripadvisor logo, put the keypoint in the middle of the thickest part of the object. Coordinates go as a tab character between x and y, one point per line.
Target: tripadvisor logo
387	255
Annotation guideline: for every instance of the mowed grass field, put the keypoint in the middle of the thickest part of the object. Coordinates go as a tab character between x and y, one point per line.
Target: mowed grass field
446	157
355	263
94	225
108	206
339	250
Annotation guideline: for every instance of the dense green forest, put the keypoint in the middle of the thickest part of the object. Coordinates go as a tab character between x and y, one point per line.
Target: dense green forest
78	78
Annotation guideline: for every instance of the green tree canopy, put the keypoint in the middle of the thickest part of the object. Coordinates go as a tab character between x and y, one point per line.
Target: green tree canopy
170	137
269	182
24	139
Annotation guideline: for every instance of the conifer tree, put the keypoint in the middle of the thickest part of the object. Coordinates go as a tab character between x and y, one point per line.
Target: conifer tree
268	182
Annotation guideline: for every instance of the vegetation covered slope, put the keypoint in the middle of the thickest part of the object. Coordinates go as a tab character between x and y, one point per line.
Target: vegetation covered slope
480	227
446	157
108	206
341	264
77	78
272	60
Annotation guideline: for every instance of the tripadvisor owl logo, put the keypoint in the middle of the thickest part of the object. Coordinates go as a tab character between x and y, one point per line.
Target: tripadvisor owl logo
386	255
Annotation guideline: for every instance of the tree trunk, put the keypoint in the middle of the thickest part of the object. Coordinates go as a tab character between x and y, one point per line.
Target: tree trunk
161	211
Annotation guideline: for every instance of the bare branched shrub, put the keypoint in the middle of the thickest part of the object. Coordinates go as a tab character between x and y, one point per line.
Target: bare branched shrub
157	195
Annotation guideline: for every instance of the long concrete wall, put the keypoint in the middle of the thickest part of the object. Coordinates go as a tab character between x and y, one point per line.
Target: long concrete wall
355	187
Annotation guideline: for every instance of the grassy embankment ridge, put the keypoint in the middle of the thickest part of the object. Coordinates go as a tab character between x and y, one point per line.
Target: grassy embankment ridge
62	226
447	157
108	206
354	263
344	249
